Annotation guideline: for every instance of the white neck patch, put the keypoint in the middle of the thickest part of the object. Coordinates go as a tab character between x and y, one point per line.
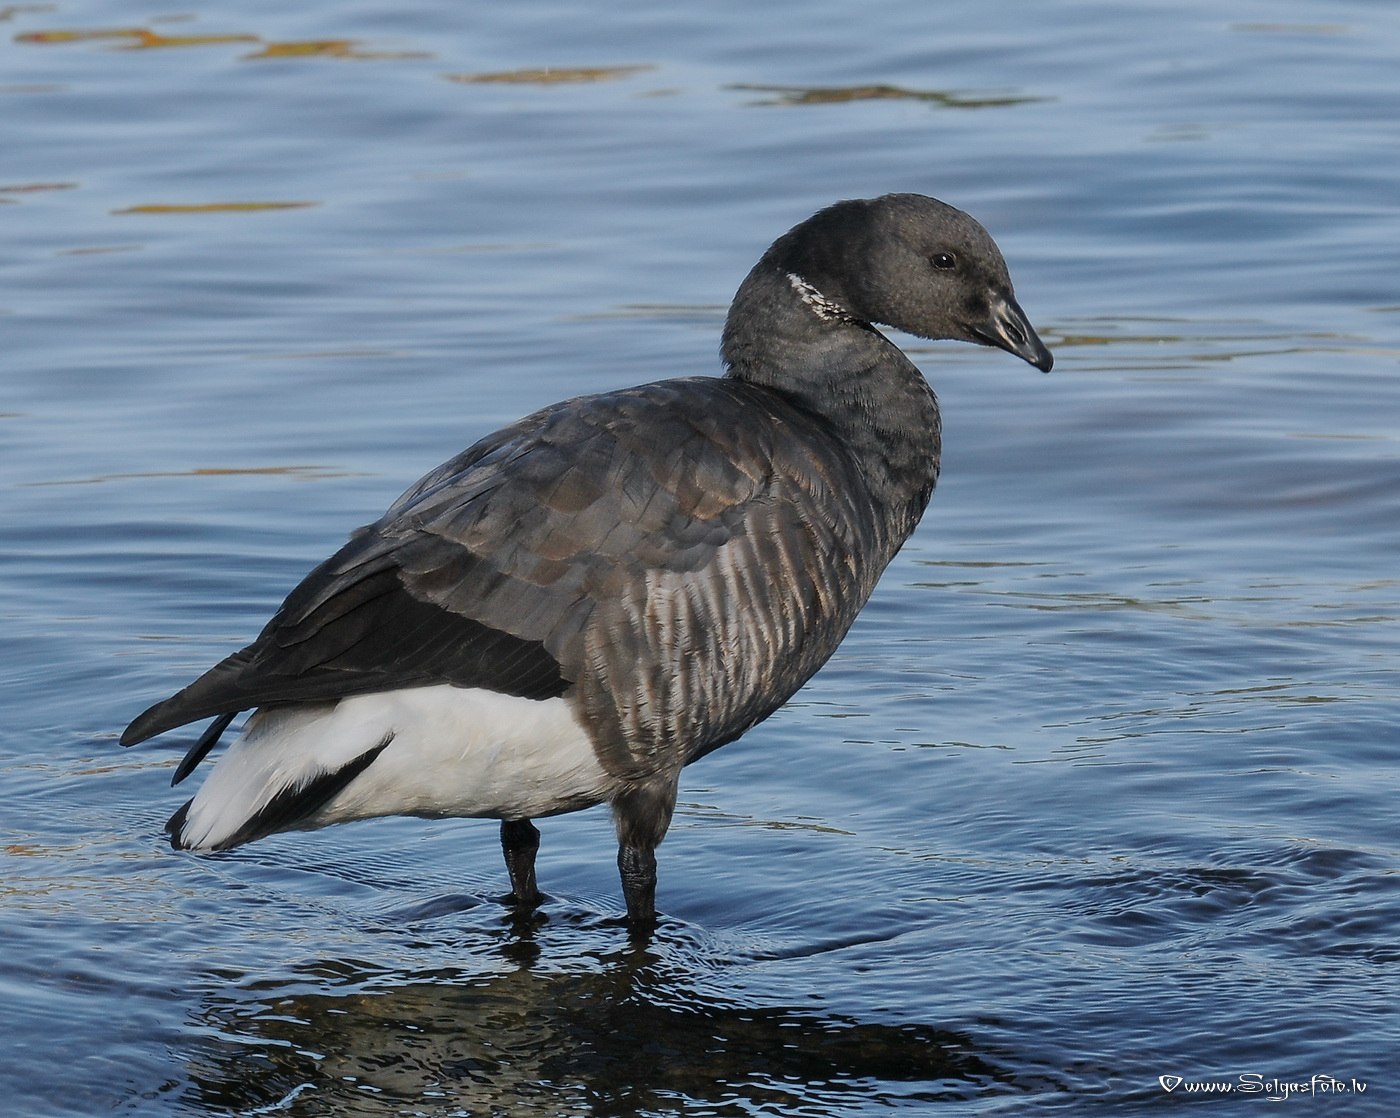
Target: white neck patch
826	309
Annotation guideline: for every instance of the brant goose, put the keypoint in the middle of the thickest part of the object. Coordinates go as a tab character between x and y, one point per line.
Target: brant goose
574	609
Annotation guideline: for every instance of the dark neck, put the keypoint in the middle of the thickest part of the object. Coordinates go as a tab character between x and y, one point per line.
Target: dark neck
848	373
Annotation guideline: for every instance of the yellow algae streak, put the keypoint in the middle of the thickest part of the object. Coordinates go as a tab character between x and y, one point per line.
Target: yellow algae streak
213	207
143	38
130	38
332	48
81	36
550	75
336	48
151	40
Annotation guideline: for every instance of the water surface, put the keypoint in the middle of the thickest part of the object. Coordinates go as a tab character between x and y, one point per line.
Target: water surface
1102	786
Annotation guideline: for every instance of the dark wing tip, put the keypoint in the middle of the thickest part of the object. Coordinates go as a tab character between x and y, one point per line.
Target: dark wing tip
201	748
164	715
141	728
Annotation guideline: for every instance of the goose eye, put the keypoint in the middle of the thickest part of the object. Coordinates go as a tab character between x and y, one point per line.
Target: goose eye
944	261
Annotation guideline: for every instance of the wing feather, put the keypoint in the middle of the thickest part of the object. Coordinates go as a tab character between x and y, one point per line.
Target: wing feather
681	556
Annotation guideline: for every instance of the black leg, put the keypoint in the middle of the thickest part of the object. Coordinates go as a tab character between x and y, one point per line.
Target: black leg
520	840
637	865
642	814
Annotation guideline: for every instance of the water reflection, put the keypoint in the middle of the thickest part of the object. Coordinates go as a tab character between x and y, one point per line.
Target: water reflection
212	207
128	37
632	1033
550	75
829	95
306	473
144	38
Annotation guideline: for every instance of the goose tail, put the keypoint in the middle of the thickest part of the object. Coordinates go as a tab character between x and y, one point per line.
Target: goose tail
276	777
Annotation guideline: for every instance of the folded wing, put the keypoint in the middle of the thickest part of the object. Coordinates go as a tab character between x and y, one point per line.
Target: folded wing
676	564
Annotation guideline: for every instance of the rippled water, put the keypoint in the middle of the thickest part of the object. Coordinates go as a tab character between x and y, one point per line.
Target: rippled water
1101	788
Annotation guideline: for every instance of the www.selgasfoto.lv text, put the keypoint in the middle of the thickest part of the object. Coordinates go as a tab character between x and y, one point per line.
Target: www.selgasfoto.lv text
1272	1088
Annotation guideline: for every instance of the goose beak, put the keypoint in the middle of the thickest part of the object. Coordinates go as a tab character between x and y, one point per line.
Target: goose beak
1008	328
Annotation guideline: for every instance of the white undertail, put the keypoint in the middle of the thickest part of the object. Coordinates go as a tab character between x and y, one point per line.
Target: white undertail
450	752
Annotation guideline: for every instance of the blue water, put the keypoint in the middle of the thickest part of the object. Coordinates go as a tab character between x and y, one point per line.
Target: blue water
1101	788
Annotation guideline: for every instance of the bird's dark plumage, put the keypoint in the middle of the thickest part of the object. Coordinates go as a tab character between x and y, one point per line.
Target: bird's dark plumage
671	562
